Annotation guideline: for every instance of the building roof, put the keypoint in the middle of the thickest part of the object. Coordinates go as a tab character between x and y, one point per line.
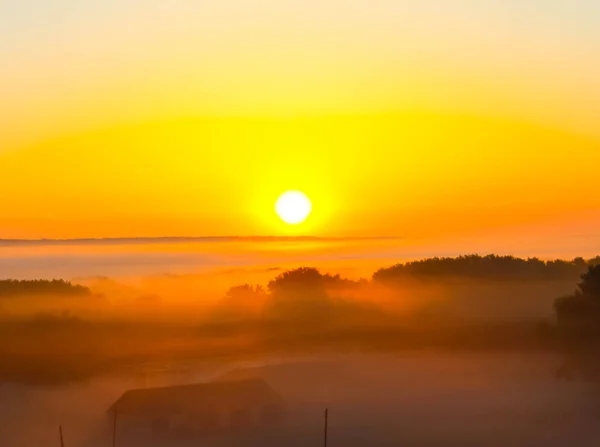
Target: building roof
184	398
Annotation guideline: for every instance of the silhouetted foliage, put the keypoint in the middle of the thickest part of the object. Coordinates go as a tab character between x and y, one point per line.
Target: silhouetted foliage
308	280
298	295
13	287
590	283
578	322
583	307
594	261
238	306
336	282
576	307
483	267
245	292
301	280
298	298
306	296
299	308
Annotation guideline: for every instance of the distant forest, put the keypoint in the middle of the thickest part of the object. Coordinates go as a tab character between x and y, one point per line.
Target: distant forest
467	266
13	287
486	267
302	309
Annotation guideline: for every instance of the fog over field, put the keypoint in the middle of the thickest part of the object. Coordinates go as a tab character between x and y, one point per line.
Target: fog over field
239	223
414	398
454	351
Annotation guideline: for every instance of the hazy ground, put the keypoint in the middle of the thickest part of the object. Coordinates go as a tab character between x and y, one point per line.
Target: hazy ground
424	399
484	374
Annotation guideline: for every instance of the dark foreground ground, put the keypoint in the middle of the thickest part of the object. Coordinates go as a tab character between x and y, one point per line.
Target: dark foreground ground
413	399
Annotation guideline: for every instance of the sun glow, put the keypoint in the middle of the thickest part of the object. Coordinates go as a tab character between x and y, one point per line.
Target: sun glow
293	207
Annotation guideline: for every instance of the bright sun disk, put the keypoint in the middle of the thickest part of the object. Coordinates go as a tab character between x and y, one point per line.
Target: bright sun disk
293	207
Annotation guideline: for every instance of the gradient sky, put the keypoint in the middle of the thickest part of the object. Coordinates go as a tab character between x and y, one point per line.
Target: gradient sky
429	119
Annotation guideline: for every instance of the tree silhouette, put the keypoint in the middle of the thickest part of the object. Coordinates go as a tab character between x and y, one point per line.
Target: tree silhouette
583	307
303	280
590	283
483	267
244	292
578	321
13	288
300	296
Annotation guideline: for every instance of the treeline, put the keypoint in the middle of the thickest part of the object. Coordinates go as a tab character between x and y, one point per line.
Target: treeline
14	288
298	295
578	314
466	266
578	327
486	267
304	309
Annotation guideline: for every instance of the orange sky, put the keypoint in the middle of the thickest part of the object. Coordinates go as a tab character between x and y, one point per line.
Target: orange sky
429	120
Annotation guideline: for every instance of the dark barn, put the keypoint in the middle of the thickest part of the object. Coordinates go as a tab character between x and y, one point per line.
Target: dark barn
199	410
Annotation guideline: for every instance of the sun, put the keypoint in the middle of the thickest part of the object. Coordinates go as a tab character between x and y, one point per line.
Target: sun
293	207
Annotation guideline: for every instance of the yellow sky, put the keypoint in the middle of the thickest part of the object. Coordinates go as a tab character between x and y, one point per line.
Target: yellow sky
183	118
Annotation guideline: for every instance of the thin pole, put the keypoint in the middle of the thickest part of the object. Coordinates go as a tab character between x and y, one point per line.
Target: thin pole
115	430
62	442
326	417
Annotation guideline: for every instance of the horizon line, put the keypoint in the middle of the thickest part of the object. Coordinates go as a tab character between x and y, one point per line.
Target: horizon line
183	239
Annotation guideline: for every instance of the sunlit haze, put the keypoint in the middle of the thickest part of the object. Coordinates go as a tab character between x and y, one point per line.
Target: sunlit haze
128	118
266	223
